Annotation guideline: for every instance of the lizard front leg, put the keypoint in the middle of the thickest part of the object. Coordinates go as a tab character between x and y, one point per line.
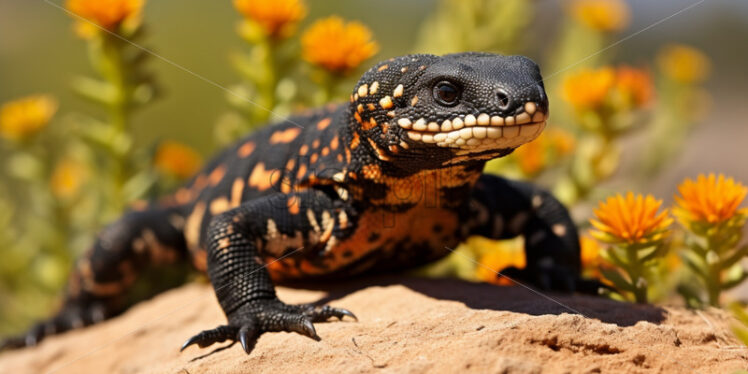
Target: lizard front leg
276	226
503	209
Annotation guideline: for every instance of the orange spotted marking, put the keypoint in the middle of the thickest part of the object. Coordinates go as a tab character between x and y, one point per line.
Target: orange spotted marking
200	182
285	136
321	125
383	67
303	150
355	141
357	117
302	171
293	205
183	196
325	151
219	205
246	149
192	226
313	158
262	179
216	175
291	163
236	192
370	125
334	143
315	144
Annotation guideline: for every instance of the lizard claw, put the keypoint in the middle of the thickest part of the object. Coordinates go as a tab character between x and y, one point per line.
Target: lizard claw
253	319
208	337
307	328
247	338
322	314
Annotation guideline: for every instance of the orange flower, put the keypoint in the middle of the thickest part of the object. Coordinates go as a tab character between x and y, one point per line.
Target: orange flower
277	18
498	259
592	260
23	118
67	178
635	85
534	157
176	159
709	199
109	14
683	64
588	88
601	15
337	46
531	157
630	220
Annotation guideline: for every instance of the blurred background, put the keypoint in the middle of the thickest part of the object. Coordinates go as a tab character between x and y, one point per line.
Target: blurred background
643	94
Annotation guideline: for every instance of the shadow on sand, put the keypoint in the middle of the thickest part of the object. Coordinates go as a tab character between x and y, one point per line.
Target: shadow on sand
516	299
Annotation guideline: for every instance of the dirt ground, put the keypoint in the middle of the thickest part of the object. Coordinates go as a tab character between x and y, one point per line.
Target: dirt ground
406	325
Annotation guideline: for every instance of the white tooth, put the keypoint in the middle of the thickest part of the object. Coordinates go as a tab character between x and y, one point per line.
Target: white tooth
473	142
404	122
530	130
427	138
522	118
420	125
530	108
538	117
469	120
460	141
414	135
466	133
493	132
449	140
509	121
484	119
433	126
453	135
447	126
457	123
440	137
510	132
497	121
479	132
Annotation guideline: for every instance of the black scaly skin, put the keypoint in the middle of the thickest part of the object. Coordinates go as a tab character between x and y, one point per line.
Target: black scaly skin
379	184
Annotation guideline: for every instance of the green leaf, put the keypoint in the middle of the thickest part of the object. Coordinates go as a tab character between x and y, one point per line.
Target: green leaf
696	267
94	90
735	276
618	280
734	257
739	312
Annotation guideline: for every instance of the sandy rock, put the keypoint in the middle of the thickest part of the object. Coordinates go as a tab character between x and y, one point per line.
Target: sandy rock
406	325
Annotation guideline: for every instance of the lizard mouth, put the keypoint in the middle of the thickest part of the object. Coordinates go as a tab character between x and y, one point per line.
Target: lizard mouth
471	134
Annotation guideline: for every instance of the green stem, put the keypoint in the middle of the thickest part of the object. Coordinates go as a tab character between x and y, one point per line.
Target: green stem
119	115
636	272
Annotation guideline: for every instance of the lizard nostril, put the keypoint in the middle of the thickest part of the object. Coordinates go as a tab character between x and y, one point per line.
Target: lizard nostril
503	99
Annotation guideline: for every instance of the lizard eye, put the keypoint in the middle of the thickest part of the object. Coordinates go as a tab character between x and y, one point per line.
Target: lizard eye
446	93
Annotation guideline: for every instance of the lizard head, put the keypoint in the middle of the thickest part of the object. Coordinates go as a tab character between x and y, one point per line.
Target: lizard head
441	110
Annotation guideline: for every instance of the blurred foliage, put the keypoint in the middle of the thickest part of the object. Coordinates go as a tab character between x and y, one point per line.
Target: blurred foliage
79	170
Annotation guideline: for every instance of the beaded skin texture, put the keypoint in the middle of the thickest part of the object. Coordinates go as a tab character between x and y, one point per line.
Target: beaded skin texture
388	181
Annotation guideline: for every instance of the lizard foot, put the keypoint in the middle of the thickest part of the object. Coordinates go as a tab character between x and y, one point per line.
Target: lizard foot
73	315
260	316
